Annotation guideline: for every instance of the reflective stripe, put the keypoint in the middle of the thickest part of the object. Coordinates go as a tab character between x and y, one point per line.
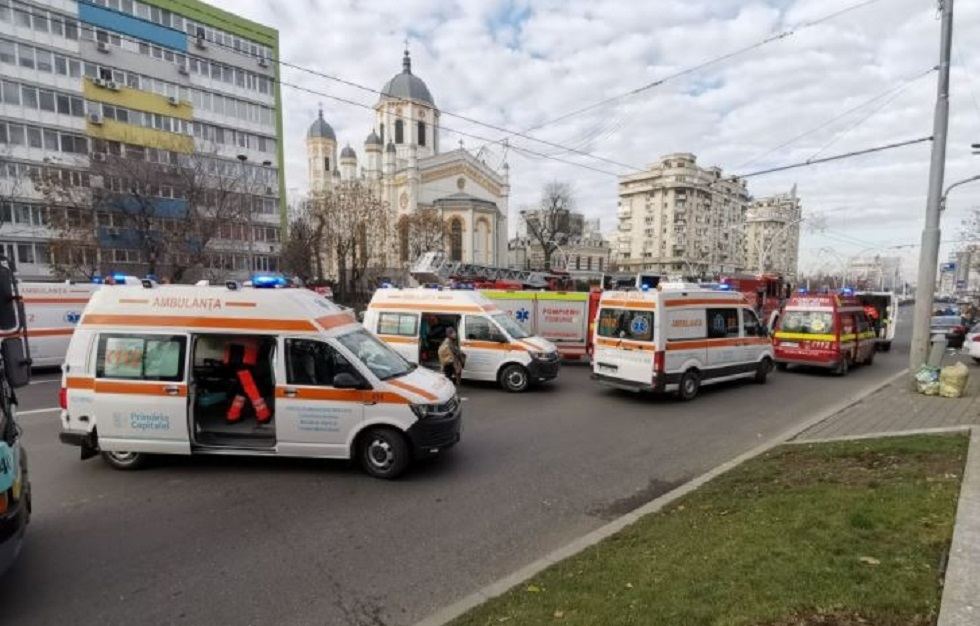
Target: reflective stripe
425	308
196	323
336	320
700	301
56	300
77	382
805	336
630	304
413	389
342	395
140	388
492	345
397	339
619	343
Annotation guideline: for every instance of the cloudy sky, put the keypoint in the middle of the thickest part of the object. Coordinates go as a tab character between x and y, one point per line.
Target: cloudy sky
858	80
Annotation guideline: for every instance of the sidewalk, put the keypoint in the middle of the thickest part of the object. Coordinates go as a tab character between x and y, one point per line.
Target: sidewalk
896	408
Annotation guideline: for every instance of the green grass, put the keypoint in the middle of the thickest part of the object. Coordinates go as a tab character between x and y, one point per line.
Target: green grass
818	534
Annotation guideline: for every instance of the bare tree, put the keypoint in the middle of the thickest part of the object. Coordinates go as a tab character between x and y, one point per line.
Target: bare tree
74	247
299	250
421	232
549	225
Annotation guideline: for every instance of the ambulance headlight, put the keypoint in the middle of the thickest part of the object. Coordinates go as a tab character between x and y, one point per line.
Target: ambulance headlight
435	411
541	356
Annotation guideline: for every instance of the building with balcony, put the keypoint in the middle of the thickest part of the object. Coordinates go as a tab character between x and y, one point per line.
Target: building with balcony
678	218
772	234
90	88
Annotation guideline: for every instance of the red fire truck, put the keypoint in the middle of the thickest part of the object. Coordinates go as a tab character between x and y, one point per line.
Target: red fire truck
766	292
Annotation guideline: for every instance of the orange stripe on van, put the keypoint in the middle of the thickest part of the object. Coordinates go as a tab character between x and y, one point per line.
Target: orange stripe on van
426	308
699	301
398	339
139	388
629	304
242	305
189	322
493	345
617	343
412	388
77	382
342	395
134	301
50	332
715	343
335	320
36	300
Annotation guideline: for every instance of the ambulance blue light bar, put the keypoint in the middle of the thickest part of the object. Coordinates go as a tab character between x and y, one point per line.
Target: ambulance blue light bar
724	287
265	281
847	291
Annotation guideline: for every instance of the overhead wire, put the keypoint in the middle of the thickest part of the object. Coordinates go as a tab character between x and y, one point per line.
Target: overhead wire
836	157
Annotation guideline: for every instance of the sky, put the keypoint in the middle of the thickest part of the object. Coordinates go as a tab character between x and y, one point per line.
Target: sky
860	79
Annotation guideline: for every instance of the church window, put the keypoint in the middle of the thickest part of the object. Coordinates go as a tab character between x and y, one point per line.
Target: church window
399	131
456	240
421	133
326	164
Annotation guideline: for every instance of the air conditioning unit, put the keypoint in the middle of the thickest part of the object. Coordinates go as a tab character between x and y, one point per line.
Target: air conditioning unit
263	62
98	157
182	69
112	85
98	82
95	118
173	101
102	47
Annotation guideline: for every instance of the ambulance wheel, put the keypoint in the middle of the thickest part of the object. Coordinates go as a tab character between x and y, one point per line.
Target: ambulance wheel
514	378
124	460
871	358
762	371
384	453
842	367
689	385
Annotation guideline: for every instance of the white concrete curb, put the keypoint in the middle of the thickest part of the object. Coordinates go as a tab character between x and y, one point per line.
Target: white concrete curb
961	593
502	585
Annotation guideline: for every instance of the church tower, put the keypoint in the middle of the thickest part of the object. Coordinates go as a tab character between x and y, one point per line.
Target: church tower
321	154
406	115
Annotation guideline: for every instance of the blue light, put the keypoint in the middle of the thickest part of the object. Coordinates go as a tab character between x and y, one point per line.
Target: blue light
802	291
119	278
152	277
847	291
724	287
97	280
386	285
645	287
269	282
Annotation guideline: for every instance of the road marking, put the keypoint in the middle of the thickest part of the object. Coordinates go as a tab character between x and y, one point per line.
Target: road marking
45	380
33	411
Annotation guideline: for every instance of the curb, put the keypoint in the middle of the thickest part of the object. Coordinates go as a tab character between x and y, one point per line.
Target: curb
960	605
939	430
502	585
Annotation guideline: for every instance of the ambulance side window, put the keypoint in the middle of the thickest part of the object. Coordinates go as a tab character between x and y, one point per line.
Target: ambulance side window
722	323
315	363
141	357
480	329
401	324
750	323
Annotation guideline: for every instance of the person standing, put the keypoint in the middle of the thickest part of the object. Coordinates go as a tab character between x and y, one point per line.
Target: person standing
451	358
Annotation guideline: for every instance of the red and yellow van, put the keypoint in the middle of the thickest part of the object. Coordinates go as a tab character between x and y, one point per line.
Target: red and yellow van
826	330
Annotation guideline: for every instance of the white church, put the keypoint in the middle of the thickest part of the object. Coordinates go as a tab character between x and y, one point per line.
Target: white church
402	160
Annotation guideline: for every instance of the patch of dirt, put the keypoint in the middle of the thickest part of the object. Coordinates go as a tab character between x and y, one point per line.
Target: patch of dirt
844	619
622	506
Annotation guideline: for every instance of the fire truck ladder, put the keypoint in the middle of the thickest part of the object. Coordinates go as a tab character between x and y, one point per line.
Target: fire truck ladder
435	267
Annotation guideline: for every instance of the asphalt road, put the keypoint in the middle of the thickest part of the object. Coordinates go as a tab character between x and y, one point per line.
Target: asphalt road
217	541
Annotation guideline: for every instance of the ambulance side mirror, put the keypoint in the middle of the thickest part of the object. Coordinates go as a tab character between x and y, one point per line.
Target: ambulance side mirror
16	362
11	306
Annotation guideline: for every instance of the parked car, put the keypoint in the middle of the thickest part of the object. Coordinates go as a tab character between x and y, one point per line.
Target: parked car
952	328
971	343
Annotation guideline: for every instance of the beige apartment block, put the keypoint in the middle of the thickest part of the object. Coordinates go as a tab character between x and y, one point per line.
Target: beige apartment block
772	229
677	218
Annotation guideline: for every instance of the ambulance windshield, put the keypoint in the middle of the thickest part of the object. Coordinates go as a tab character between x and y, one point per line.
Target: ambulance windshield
513	328
808	322
383	362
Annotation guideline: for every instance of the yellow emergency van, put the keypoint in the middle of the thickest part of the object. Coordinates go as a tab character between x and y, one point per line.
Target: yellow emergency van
245	371
678	337
496	347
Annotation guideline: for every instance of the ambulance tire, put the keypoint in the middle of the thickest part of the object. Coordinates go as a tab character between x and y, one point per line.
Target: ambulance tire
762	371
384	453
689	385
514	378
871	358
886	347
842	367
125	460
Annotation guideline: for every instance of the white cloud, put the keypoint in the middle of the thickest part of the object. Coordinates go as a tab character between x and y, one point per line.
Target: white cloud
517	63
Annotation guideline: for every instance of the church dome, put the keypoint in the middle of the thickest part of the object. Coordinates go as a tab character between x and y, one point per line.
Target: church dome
407	86
348	153
320	129
373	140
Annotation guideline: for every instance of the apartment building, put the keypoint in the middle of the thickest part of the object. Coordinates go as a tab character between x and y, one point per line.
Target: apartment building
678	218
772	228
89	88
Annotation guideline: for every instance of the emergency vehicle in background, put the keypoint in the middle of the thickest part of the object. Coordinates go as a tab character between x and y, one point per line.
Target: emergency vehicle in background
245	371
497	348
678	337
882	308
767	293
53	311
824	330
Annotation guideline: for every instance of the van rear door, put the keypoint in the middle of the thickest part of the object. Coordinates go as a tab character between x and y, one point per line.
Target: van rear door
140	399
624	346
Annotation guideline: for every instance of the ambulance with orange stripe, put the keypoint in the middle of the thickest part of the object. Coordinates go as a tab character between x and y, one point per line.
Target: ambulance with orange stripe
52	311
414	322
245	371
677	338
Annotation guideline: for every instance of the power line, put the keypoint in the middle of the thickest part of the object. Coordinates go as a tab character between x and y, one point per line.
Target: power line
836	157
713	61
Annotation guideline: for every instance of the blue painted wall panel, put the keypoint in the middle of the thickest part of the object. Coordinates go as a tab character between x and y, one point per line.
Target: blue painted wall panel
126	25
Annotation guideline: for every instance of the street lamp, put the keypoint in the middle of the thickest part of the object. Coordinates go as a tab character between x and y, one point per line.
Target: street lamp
250	235
840	259
942	201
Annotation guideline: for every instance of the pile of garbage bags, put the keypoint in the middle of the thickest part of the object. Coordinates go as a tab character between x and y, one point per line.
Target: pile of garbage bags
947	382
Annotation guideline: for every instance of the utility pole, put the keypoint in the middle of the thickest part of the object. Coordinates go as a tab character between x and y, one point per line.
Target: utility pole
929	259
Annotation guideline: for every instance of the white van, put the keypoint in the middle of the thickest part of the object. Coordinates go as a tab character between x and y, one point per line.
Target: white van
678	338
885	318
245	371
414	322
52	311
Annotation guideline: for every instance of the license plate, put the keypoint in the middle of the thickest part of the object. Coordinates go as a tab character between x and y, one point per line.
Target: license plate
607	368
787	344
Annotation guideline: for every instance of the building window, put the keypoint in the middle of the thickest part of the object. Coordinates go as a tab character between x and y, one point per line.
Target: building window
326	164
456	240
399	131
588	263
403	239
382	134
600	264
578	262
421	133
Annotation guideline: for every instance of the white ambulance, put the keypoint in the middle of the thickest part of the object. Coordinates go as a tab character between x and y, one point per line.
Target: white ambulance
414	322
678	338
52	311
245	371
